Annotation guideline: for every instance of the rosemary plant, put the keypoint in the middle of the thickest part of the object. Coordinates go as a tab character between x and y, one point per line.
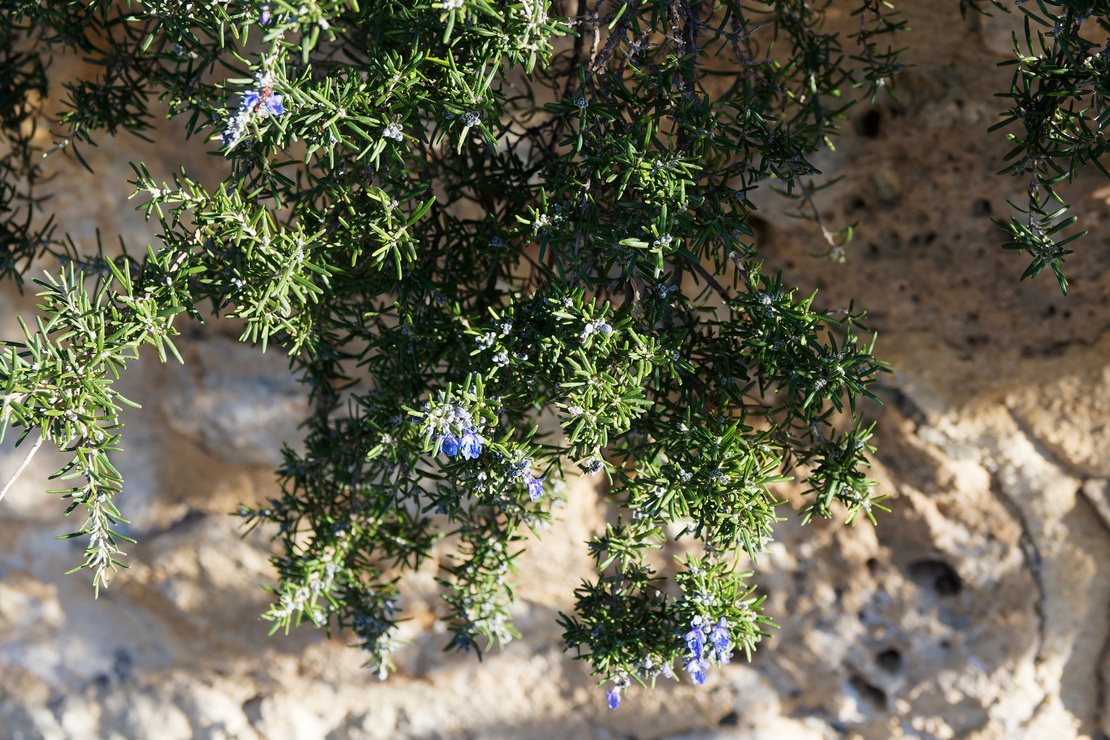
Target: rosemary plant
503	243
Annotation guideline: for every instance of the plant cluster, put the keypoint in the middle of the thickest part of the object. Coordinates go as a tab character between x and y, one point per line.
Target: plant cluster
1061	99
502	242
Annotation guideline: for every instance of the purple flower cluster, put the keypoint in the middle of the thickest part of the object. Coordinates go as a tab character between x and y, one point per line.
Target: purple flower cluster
697	662
262	101
520	468
469	444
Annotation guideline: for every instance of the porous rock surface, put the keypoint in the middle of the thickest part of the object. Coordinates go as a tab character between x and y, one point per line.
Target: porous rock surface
977	608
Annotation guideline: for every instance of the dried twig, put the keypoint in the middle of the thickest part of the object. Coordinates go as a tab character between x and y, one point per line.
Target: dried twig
18	471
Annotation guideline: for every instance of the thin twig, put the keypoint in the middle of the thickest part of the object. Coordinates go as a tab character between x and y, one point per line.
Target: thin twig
710	279
836	251
22	465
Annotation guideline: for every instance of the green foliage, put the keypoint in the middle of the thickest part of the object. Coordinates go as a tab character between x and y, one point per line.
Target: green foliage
502	243
1060	97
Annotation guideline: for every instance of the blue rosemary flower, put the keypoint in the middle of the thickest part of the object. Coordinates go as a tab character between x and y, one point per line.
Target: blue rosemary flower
695	638
263	100
614	698
470	445
696	667
451	444
535	489
720	640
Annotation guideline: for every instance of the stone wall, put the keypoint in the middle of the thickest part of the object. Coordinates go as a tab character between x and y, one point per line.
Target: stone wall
976	609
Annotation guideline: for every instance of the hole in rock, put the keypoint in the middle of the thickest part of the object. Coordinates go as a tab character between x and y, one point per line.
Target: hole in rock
981	208
730	720
123	665
252	708
868	126
890	660
760	229
871	697
942	577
